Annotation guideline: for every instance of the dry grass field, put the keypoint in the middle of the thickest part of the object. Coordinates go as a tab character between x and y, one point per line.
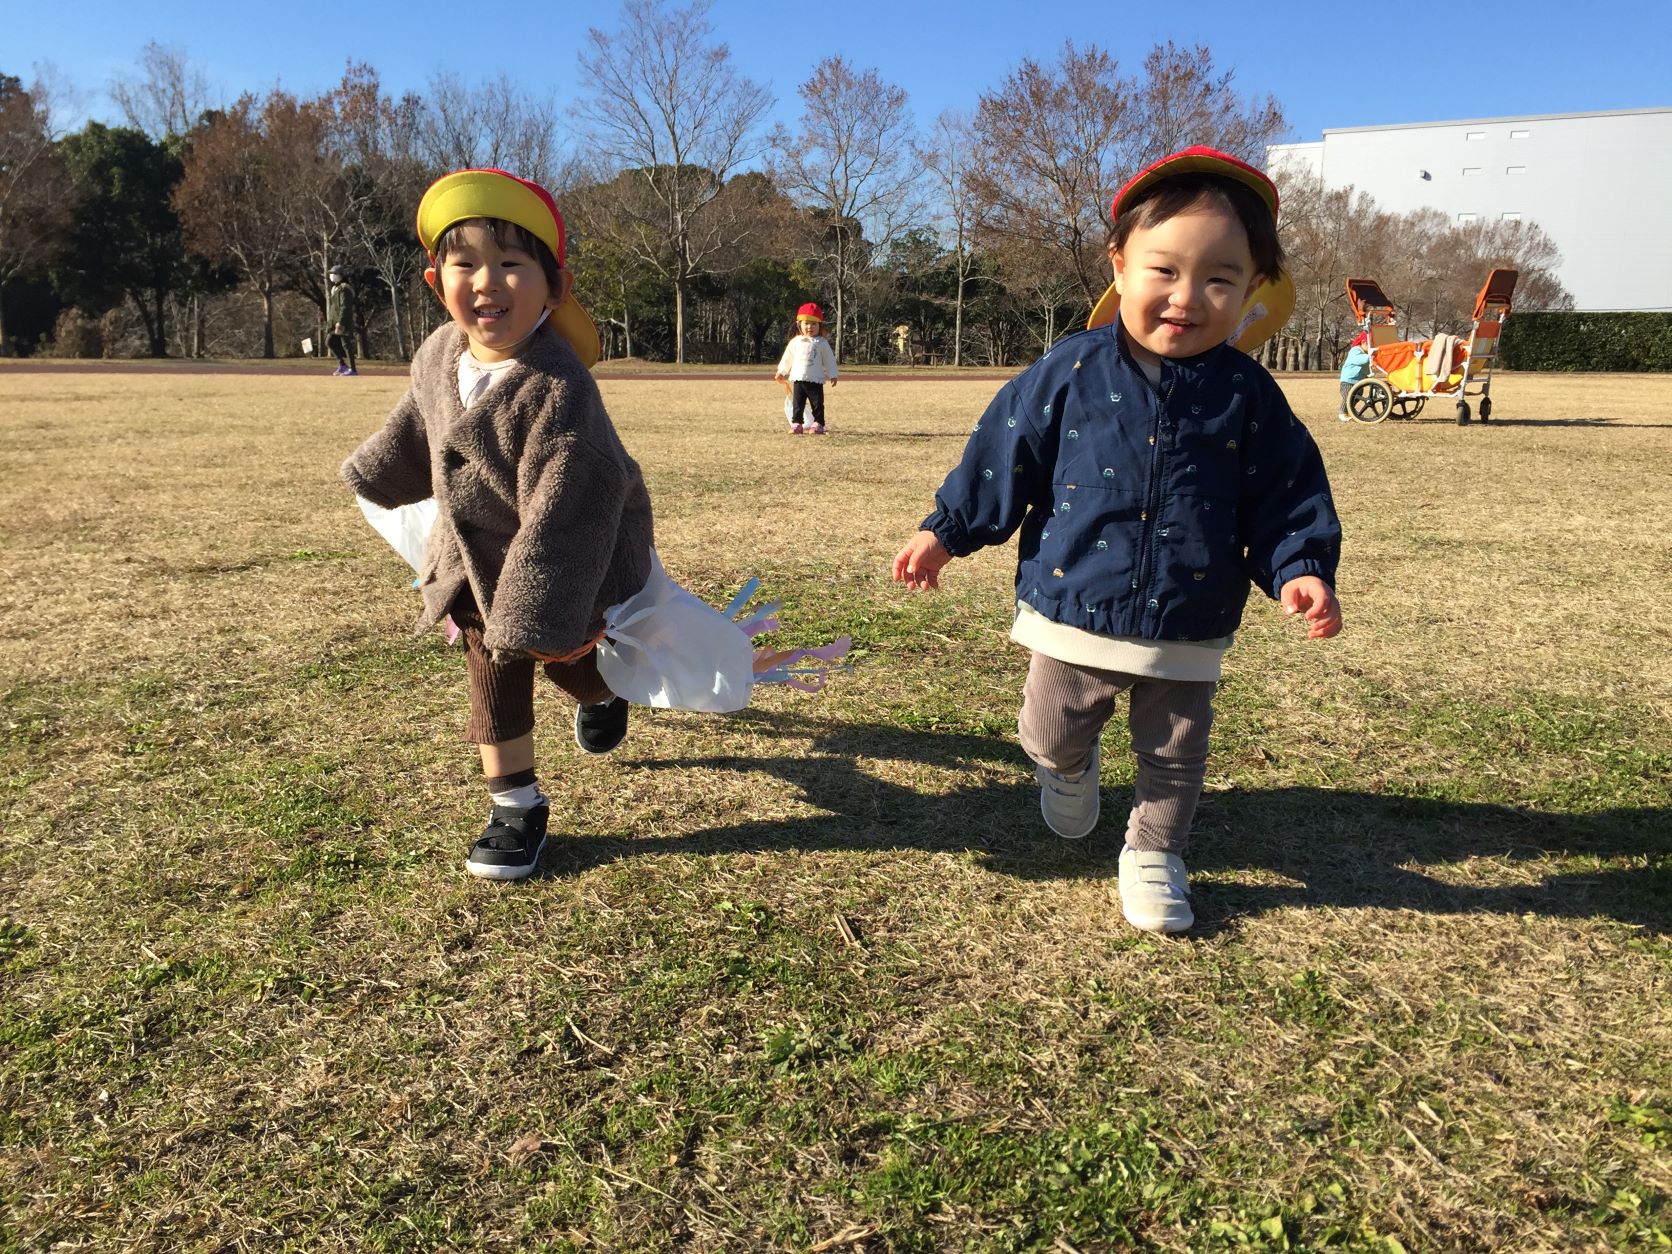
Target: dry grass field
249	999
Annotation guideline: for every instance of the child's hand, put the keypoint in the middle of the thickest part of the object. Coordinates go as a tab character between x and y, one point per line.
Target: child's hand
574	655
1312	597
918	564
778	378
834	382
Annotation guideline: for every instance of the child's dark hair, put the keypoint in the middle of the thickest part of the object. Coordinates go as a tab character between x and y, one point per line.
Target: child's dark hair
506	235
1169	197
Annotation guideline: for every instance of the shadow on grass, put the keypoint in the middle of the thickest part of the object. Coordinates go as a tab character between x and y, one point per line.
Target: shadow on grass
1601	424
1339	847
1608	423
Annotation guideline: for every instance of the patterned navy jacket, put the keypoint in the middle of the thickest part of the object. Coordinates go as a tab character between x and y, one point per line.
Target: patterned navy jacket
1144	511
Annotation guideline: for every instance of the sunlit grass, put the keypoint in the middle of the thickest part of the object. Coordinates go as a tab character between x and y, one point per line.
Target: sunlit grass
248	996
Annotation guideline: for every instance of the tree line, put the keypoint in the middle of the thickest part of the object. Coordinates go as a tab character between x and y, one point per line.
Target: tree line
200	229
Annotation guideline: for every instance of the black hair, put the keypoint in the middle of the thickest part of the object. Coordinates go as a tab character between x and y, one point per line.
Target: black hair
1169	197
506	235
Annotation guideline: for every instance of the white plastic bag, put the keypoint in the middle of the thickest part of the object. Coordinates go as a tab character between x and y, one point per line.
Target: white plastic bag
407	529
663	647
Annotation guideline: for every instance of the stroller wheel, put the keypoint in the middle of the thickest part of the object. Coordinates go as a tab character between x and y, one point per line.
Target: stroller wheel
1485	408
1370	400
1462	413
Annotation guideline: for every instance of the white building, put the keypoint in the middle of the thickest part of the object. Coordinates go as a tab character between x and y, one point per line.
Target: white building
1598	184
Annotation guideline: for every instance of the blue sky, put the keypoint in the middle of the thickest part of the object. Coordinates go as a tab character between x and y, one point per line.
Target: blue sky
1369	64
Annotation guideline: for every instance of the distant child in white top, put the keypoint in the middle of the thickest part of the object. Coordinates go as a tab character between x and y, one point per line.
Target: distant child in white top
806	364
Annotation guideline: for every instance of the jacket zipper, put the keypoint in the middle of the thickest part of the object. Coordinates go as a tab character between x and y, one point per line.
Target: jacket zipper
1152	493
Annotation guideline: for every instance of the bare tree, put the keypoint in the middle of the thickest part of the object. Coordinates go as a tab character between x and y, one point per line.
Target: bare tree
1429	266
167	98
1522	246
852	162
950	158
667	107
609	277
1445	263
1329	235
323	197
1416	271
1183	99
608	280
1043	290
1051	141
494	124
34	190
250	177
1057	141
377	141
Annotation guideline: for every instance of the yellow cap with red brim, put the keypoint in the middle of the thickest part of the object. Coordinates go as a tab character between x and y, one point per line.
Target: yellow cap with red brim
465	194
1269	305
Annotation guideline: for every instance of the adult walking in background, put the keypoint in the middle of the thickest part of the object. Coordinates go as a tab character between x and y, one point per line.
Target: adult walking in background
339	321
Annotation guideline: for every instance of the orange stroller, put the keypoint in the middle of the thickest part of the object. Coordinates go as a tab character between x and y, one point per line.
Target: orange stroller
1405	373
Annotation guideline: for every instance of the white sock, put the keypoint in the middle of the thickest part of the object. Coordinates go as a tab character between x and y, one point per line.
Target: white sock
522	798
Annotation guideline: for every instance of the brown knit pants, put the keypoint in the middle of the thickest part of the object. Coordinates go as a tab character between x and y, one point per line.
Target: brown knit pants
1064	709
502	692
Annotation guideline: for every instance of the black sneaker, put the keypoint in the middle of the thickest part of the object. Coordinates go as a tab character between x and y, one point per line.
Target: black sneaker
511	844
600	728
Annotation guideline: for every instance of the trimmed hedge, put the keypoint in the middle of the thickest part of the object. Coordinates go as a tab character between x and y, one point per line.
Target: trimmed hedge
1587	341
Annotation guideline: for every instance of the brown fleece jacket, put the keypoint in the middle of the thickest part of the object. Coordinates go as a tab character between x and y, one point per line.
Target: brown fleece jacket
541	512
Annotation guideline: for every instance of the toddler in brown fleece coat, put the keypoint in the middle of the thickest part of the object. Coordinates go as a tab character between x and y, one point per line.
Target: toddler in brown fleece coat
543	521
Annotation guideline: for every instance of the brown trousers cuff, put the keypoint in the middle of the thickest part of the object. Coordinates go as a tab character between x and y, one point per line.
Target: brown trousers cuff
502	690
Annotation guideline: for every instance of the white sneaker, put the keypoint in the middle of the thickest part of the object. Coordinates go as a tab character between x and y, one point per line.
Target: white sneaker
1343	418
1069	802
1155	891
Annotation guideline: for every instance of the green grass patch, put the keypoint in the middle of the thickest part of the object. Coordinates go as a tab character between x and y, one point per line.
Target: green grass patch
814	974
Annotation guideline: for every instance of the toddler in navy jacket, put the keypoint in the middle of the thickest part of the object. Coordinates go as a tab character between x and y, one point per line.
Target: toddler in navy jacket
1154	473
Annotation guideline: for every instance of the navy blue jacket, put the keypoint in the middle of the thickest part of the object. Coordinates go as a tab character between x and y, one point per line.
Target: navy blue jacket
1144	511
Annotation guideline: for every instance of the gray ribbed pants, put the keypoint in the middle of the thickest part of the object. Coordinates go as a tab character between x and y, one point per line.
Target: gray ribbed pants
1064	709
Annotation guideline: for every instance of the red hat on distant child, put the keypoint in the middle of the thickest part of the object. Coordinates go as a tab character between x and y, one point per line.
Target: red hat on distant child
810	313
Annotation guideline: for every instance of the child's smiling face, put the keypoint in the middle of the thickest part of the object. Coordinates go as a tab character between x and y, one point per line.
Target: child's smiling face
808	326
495	292
1182	282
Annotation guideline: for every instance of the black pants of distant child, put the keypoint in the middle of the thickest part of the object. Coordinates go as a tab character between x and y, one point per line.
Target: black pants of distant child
804	393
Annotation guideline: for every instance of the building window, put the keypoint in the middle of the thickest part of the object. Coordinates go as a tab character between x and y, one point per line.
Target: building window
1511	217
1520	134
1515	169
1470	171
1472	136
1464	219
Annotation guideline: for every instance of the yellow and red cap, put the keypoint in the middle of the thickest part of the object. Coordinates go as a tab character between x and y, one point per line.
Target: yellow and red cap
488	193
1268	307
1197	159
